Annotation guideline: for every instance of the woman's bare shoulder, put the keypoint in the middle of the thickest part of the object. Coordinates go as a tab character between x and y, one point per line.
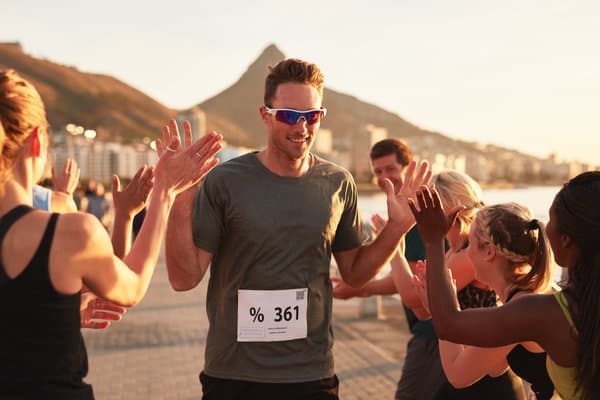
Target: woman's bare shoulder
80	227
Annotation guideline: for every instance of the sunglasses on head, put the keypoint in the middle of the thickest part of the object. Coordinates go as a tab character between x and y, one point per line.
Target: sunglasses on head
291	117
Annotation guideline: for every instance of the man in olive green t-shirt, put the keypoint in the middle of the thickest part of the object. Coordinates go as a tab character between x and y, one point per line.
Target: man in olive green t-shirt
267	223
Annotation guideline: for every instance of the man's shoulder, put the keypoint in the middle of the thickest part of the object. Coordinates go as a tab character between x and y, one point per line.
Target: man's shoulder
235	164
330	166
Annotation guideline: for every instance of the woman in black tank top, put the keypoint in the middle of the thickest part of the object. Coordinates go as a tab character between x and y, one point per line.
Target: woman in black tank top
45	259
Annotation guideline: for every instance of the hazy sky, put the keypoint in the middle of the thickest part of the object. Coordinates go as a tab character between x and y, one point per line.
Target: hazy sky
523	74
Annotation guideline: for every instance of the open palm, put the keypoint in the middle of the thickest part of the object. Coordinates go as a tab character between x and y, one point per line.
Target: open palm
182	167
432	221
397	200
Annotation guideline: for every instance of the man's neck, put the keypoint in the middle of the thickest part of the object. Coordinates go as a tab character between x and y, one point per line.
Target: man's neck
283	166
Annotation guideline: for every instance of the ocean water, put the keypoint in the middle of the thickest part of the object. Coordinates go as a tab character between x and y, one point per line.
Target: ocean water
537	198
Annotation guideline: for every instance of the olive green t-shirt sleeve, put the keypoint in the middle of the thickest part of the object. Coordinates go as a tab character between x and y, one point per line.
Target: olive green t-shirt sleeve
350	232
207	216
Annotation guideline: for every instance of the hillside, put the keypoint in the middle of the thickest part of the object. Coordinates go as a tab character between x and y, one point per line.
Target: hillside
240	102
116	110
119	112
100	102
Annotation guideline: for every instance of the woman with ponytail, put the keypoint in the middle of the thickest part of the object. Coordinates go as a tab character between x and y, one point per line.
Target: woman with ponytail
565	324
510	253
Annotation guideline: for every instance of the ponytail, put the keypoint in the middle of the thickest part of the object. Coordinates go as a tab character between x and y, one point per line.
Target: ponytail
21	111
540	275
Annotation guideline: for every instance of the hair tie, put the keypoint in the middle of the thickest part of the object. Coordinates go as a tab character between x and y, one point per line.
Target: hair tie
533	225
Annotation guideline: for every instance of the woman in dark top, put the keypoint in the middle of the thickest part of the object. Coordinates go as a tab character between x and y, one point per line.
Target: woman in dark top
510	254
46	259
456	188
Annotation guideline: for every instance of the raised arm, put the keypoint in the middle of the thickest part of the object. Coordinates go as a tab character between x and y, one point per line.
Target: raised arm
357	266
91	254
186	264
528	318
68	179
128	202
401	272
383	286
465	365
63	186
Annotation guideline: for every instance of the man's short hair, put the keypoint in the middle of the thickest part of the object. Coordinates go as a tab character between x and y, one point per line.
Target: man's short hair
292	70
389	146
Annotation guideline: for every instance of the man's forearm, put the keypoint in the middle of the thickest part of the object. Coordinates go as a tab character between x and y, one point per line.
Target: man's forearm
180	250
372	257
383	286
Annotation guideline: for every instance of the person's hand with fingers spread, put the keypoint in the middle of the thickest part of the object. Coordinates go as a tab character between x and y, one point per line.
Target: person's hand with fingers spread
97	313
377	224
397	200
182	167
68	180
128	202
431	218
433	224
419	278
132	199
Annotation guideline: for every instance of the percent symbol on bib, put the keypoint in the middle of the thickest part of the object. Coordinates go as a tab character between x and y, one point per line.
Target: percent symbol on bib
256	314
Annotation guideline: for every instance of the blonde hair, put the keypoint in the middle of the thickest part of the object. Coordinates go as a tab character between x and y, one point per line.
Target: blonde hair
2	135
456	189
520	239
21	111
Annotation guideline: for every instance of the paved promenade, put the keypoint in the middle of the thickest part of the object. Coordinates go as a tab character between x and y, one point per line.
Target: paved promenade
156	351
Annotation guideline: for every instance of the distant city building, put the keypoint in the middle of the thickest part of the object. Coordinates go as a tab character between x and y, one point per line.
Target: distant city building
98	159
362	142
478	167
323	145
442	162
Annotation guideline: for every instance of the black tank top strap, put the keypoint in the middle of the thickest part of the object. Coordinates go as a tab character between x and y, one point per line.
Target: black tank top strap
512	294
41	257
46	242
6	221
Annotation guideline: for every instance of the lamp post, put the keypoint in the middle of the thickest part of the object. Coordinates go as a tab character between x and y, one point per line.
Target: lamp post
72	130
90	135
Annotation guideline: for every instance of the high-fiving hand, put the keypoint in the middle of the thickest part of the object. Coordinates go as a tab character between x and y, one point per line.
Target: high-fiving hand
97	313
68	179
132	199
181	167
397	198
432	221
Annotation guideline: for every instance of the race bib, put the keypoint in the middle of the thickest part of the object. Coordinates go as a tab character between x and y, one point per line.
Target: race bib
272	315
